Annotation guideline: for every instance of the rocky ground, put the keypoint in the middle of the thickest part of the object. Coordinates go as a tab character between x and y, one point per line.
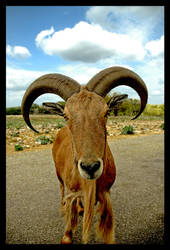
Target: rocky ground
141	127
19	139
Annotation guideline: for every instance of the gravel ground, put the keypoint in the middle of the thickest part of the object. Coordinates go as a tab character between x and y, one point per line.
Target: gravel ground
33	199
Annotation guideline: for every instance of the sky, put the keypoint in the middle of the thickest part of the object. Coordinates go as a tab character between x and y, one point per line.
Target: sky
80	41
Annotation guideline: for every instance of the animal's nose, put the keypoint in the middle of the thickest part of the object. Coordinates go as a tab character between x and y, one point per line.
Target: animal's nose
90	168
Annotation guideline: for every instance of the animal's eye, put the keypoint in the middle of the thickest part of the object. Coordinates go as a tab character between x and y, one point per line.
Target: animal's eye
65	117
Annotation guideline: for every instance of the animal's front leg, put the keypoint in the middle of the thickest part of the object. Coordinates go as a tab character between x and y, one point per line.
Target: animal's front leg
61	183
105	226
77	209
71	213
89	203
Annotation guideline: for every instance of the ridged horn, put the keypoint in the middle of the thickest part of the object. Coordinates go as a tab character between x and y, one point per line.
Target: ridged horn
112	77
58	84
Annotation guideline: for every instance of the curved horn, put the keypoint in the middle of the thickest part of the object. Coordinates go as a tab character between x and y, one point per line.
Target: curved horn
110	78
58	84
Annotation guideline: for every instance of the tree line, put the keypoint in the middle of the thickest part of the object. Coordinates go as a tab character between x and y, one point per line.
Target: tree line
129	107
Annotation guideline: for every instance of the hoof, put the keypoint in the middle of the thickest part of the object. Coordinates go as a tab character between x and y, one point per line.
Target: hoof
66	240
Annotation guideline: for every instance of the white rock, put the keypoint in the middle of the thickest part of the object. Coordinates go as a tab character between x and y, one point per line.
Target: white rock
38	142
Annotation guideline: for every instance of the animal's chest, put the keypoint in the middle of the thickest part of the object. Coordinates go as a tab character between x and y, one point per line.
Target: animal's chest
73	180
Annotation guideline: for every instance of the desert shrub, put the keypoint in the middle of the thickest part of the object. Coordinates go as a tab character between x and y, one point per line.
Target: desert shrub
162	126
15	134
129	107
60	125
127	130
44	140
18	147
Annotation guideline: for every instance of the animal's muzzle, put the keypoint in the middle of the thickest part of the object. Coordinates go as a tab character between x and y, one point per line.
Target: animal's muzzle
91	170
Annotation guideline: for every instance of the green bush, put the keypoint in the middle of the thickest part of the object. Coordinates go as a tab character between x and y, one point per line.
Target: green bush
44	140
18	147
13	111
129	107
60	125
15	134
154	110
107	132
127	130
162	126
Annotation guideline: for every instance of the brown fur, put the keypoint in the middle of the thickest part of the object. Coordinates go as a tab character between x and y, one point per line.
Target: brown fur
84	137
105	227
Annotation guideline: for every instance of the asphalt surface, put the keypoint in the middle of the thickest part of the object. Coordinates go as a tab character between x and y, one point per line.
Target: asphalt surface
33	198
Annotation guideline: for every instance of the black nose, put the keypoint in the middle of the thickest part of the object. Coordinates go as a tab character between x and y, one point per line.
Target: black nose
90	168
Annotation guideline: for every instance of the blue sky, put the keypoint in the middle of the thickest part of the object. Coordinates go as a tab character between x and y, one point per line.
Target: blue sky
80	41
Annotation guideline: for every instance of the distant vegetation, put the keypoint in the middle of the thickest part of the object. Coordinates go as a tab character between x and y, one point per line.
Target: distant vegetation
129	107
35	109
13	111
154	110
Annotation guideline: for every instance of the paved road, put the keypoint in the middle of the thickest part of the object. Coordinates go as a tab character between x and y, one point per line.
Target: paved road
33	198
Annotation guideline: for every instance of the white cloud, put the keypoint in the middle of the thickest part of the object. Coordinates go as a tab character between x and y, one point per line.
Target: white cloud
138	21
19	79
89	43
156	47
18	52
115	36
84	72
157	92
152	72
43	34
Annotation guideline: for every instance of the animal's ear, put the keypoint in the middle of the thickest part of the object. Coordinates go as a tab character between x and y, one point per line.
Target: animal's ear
116	100
54	107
